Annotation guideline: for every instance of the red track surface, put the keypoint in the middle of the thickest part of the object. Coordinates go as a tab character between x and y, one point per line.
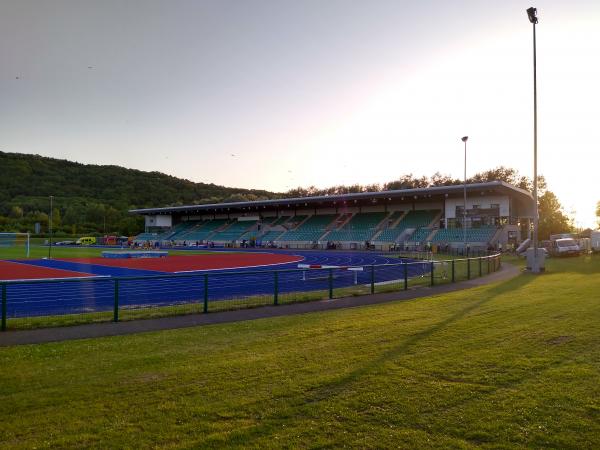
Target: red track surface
17	271
181	263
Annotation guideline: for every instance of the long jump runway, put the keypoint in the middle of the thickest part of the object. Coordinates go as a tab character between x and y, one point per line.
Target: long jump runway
88	285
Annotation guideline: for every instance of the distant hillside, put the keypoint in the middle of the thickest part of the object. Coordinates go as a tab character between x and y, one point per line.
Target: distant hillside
93	198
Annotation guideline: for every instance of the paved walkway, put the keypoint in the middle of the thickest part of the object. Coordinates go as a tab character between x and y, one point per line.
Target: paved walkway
167	323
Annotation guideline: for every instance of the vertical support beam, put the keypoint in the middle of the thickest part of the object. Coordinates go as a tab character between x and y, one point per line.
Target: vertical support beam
330	284
536	217
453	277
372	279
3	326
116	305
205	308
276	288
432	268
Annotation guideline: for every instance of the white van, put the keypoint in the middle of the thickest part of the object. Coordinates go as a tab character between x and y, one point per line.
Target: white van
565	247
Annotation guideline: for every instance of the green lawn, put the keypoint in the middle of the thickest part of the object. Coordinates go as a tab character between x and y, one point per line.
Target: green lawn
508	365
41	251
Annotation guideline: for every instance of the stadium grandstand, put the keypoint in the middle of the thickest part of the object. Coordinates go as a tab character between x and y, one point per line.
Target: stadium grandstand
497	213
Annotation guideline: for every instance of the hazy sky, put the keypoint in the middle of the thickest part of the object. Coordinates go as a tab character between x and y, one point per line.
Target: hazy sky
305	92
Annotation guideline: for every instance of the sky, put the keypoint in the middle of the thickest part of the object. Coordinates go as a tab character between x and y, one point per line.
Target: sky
280	94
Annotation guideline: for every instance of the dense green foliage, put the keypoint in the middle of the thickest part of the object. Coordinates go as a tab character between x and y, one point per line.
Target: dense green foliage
552	218
511	365
91	198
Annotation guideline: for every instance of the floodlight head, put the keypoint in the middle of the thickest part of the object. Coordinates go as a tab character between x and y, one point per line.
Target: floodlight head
532	14
464	138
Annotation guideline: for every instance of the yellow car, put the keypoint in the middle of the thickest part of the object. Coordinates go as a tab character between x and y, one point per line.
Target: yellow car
89	240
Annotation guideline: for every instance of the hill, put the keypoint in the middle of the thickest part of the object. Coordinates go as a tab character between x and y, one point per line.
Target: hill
94	198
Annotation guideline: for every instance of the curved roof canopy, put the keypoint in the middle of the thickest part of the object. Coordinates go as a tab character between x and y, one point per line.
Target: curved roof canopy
522	199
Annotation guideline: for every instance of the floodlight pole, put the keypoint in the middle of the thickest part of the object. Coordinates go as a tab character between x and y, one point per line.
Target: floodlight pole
50	229
532	15
465	139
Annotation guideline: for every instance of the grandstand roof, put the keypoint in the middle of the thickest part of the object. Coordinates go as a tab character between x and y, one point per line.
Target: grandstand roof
523	198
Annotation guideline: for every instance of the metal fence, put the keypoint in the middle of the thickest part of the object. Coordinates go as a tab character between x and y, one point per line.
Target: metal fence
44	303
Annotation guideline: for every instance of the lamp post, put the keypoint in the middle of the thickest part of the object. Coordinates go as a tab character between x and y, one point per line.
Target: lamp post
50	229
535	267
465	139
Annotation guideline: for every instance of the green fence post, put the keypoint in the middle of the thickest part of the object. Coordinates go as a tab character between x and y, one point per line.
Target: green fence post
480	269
372	279
205	309
330	284
453	278
432	271
405	276
4	307
276	289
468	269
116	307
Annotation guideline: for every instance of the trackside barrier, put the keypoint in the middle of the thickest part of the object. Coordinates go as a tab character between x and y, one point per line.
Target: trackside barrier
43	303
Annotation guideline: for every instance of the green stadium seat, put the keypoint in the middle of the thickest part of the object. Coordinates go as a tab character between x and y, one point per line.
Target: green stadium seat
361	227
311	230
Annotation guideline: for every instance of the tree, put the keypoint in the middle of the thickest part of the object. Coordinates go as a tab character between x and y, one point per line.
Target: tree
16	212
511	176
439	179
56	220
406	182
598	211
552	218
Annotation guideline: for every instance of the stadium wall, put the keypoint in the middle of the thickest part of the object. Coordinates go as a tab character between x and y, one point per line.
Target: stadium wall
158	221
482	201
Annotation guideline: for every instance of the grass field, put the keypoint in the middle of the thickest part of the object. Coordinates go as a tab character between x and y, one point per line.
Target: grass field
508	365
41	251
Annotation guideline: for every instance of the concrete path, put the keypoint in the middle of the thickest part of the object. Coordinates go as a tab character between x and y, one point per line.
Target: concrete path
95	330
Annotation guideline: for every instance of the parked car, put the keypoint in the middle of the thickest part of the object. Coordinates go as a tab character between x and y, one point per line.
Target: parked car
565	247
87	240
65	243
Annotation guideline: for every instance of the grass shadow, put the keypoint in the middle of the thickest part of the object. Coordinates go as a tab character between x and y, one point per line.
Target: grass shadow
327	391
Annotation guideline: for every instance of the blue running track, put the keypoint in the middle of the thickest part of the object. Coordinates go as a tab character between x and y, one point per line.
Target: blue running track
45	298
